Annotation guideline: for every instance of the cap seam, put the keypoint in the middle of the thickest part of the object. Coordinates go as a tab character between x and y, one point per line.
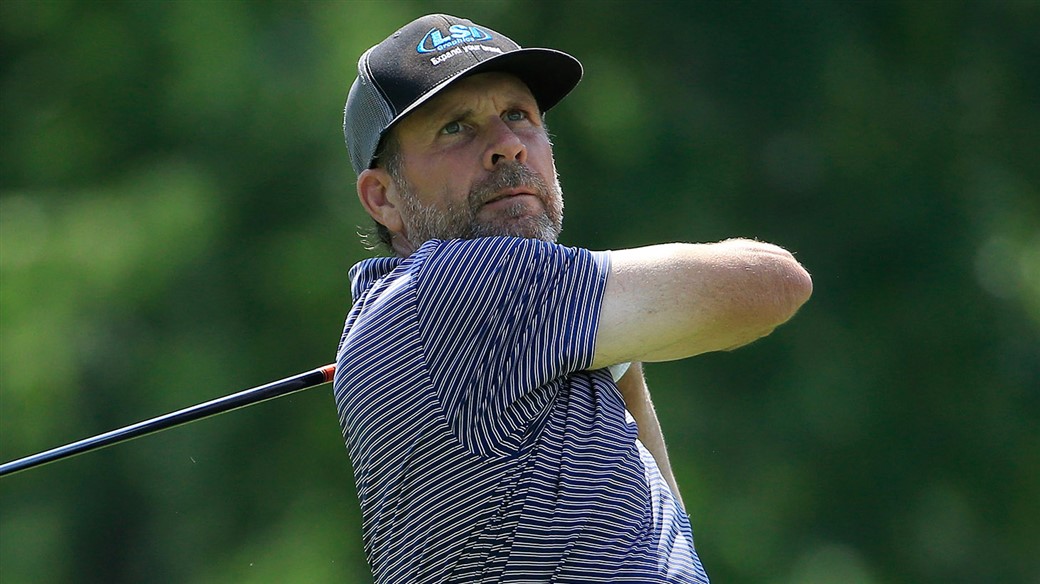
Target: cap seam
375	83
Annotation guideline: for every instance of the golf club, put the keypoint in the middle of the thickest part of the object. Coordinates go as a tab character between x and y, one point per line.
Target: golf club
227	403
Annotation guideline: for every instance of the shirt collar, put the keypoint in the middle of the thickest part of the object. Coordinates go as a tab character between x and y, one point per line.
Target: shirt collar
365	273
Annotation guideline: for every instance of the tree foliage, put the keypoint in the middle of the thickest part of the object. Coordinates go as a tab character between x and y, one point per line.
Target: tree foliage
178	217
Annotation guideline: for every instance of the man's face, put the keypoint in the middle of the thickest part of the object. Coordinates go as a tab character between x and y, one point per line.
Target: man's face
476	161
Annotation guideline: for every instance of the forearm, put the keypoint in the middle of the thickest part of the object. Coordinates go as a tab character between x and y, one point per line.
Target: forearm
637	399
674	301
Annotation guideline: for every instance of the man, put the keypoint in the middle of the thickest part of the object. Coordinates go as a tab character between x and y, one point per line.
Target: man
494	433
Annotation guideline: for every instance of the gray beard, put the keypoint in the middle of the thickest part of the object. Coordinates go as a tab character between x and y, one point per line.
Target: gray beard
459	219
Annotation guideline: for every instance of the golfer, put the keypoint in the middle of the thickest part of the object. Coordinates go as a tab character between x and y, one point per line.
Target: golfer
496	430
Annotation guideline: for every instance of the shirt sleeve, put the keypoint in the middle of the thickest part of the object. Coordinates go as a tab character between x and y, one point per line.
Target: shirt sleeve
503	320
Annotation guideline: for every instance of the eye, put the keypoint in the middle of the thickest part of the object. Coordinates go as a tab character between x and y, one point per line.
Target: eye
515	115
451	128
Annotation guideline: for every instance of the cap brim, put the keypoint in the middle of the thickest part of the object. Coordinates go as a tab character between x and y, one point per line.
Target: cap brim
549	74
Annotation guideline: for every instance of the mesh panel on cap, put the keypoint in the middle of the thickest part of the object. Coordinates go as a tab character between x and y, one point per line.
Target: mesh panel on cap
368	114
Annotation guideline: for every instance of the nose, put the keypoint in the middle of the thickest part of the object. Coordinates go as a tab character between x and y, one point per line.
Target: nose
503	145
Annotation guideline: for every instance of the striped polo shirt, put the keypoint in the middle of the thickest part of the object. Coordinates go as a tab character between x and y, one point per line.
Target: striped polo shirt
483	448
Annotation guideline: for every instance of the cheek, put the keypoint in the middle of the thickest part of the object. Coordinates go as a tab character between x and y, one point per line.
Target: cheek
426	178
440	184
540	158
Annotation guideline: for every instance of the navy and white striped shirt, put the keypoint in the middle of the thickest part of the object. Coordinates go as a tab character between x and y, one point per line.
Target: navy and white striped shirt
482	447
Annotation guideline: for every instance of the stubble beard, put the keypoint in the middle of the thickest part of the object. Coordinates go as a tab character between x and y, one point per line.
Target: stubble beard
459	220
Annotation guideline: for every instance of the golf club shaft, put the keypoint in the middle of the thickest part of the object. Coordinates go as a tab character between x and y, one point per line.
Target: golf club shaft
227	403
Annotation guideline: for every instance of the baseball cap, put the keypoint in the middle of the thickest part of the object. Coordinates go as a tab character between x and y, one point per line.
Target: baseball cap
429	54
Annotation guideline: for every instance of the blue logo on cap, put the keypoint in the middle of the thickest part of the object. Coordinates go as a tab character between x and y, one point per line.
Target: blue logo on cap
435	41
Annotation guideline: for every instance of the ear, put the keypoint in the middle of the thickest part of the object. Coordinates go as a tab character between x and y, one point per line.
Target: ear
378	196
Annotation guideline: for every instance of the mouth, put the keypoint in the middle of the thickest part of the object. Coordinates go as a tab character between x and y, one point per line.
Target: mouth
509	194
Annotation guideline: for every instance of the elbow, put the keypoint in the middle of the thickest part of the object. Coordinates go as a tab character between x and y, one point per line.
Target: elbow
776	303
792	288
799	285
776	284
771	288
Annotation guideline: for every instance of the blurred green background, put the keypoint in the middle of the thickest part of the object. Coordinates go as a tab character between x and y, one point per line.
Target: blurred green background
178	217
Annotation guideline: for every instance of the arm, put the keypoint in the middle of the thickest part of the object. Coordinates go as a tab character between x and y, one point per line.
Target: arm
672	301
637	399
